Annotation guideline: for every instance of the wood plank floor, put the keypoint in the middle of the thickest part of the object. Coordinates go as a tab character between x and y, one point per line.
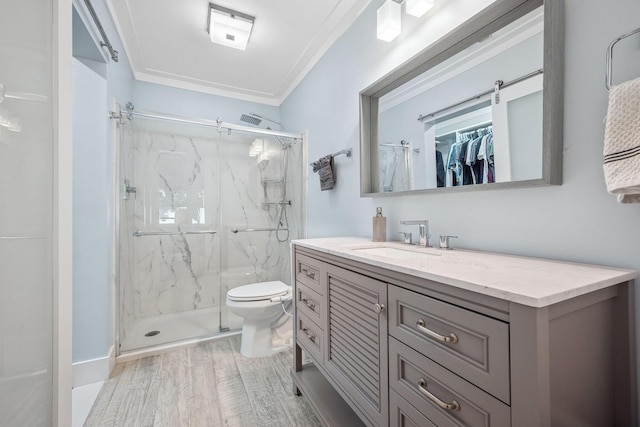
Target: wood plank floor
207	385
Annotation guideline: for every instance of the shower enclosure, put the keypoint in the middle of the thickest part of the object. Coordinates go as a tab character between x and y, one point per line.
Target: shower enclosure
204	209
397	165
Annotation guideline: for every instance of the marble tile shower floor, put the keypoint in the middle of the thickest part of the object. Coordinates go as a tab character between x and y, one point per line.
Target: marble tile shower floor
206	385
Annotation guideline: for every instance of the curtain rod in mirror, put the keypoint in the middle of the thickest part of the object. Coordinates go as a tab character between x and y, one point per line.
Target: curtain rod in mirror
496	89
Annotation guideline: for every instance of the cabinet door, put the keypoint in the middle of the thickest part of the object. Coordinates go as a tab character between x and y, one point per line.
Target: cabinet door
356	341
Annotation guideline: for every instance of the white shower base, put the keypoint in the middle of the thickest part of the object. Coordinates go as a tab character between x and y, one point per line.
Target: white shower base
174	327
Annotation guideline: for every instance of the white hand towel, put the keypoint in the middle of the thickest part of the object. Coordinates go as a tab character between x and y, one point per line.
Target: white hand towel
622	142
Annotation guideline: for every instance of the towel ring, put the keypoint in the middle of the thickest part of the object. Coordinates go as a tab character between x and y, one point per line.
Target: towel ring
609	76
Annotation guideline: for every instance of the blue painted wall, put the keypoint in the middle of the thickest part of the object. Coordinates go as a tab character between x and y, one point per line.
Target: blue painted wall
578	221
95	85
188	103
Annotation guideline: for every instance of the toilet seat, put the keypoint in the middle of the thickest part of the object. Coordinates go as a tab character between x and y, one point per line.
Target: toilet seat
258	291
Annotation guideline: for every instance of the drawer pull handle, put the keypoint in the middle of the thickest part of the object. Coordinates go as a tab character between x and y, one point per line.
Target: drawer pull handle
310	274
312	338
422	387
311	305
451	338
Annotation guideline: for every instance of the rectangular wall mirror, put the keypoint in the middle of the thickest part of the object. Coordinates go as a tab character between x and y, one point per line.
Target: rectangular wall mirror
479	109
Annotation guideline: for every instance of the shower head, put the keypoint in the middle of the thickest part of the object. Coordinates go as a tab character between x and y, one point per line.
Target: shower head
251	119
255	119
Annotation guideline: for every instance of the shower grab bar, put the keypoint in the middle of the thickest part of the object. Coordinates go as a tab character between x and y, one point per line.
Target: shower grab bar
22	237
246	230
139	233
283	203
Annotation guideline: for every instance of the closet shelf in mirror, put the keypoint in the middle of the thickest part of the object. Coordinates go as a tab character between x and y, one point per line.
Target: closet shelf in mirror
469	132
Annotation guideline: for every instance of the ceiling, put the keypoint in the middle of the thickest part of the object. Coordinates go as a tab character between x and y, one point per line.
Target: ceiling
167	43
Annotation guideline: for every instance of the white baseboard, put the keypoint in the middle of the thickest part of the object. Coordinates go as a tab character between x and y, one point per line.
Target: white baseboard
94	370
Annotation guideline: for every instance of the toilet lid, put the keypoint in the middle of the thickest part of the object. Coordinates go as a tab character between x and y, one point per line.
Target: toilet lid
257	291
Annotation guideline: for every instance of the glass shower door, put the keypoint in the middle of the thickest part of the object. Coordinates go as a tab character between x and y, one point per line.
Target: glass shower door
26	213
261	189
170	292
207	211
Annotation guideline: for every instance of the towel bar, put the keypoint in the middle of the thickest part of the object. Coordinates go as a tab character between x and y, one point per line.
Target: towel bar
347	151
609	61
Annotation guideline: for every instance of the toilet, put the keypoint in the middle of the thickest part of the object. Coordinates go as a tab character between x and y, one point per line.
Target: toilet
260	305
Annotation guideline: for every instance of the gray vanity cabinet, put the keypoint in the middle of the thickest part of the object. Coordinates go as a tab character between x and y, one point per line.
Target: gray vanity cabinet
460	371
472	345
355	354
442	397
341	323
392	349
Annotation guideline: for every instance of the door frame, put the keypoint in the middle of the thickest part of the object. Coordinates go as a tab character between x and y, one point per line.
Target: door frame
62	242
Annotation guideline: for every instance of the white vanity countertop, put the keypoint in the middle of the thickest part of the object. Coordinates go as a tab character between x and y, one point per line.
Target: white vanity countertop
529	281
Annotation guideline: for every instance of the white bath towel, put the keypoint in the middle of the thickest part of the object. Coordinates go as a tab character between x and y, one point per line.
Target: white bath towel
622	142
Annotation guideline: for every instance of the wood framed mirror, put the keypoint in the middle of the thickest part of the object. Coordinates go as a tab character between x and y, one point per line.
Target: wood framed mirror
481	108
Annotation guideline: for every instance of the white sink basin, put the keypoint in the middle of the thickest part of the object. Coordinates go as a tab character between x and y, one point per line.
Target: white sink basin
394	252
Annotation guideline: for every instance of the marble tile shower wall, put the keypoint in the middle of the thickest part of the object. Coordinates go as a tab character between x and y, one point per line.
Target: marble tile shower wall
199	183
178	183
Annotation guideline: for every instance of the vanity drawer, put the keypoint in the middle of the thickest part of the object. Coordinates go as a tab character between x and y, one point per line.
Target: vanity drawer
310	304
309	337
402	414
443	398
472	345
308	272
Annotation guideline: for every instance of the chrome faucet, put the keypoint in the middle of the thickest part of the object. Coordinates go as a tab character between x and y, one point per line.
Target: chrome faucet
406	238
423	228
444	241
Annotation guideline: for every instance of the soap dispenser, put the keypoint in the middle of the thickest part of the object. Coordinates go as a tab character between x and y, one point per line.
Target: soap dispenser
379	226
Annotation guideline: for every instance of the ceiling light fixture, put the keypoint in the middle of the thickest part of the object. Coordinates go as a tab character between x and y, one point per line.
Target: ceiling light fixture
229	27
389	16
389	20
418	8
